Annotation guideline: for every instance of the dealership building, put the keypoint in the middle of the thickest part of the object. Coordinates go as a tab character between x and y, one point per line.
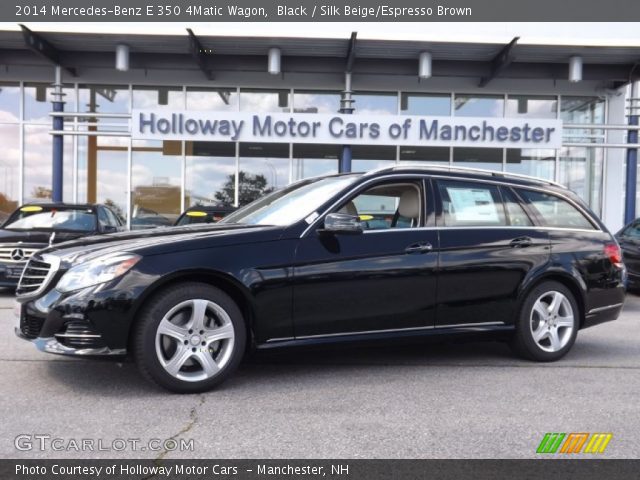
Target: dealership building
135	134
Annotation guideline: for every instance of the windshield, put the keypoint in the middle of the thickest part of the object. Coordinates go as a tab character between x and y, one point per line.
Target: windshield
291	204
71	220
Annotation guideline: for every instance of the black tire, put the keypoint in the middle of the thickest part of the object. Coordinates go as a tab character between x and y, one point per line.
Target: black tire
147	357
523	342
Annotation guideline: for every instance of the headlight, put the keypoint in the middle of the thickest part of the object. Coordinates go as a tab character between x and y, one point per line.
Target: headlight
94	272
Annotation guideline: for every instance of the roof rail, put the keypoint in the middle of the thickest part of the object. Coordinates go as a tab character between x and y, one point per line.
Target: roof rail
451	168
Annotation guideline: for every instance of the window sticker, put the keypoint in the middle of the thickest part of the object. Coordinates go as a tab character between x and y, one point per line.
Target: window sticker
473	205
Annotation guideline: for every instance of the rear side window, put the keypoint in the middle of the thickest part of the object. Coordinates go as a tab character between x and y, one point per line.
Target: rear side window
470	204
516	216
555	211
632	231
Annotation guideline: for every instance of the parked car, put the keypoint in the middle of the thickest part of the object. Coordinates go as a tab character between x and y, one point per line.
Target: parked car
465	252
35	226
203	214
629	239
145	218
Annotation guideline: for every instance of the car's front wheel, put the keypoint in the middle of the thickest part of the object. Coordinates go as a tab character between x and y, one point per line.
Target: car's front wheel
548	323
190	338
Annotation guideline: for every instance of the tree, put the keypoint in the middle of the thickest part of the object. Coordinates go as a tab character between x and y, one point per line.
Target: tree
250	188
41	192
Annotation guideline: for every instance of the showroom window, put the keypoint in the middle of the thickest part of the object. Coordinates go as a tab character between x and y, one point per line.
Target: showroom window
10	140
102	171
156	183
256	100
37	101
425	104
310	101
263	168
417	155
485	158
531	161
158	97
375	103
210	173
105	99
311	160
371	157
534	106
479	105
218	99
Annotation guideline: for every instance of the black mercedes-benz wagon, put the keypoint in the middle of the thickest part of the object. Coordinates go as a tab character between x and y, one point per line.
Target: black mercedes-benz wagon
399	252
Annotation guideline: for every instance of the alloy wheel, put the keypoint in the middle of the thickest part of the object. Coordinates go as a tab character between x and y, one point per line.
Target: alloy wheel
552	321
195	340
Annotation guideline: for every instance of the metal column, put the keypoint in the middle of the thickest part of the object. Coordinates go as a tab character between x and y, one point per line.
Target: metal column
632	155
58	140
346	106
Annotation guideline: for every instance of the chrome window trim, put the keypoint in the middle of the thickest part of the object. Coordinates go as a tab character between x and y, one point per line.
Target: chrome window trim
353	189
423	176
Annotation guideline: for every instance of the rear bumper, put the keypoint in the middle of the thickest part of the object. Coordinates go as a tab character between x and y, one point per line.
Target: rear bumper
603	314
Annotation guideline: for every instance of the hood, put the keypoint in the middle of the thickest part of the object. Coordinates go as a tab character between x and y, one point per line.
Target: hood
162	240
40	237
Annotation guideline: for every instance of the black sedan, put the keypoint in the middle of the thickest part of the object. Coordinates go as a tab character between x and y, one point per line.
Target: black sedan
35	226
456	252
629	239
204	214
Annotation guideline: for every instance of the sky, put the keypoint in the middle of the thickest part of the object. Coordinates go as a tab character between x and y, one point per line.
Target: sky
606	34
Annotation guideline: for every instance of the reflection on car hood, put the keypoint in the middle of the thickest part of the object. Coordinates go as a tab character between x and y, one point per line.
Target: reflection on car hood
158	240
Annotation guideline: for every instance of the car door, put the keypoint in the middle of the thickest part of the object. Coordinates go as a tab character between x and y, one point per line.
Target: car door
487	248
381	279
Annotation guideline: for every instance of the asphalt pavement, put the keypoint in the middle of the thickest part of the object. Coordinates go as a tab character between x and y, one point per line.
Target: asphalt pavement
424	400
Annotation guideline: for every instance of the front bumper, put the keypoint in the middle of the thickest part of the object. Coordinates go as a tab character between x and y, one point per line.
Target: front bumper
91	322
10	274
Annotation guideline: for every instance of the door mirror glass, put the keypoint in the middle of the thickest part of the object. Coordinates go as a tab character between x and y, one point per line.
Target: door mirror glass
342	223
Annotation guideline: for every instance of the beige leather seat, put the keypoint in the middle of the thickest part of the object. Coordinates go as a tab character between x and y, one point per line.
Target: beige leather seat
350	209
409	206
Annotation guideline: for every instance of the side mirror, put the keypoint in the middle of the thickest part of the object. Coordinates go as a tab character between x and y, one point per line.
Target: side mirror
342	223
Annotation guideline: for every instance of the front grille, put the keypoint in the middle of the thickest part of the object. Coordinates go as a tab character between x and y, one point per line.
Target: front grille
79	334
16	253
34	276
31	326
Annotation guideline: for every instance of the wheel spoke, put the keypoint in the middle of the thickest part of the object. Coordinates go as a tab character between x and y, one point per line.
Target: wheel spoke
198	314
208	364
540	334
221	333
554	306
565	322
554	339
541	311
172	330
174	365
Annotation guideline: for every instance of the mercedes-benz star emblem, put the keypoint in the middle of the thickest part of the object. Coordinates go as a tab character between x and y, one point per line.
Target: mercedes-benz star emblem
17	255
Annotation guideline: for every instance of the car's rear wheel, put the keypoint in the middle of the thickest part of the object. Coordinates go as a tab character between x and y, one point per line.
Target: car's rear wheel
548	323
190	338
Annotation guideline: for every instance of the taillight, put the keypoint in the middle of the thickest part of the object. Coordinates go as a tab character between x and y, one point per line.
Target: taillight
613	252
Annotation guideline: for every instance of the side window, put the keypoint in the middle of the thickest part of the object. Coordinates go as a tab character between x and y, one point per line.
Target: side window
113	220
632	231
387	206
516	215
470	204
555	211
103	219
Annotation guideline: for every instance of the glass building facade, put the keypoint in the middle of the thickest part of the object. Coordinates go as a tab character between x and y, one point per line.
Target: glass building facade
151	182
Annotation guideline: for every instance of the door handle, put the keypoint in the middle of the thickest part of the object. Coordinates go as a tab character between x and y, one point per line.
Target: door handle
422	247
521	242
